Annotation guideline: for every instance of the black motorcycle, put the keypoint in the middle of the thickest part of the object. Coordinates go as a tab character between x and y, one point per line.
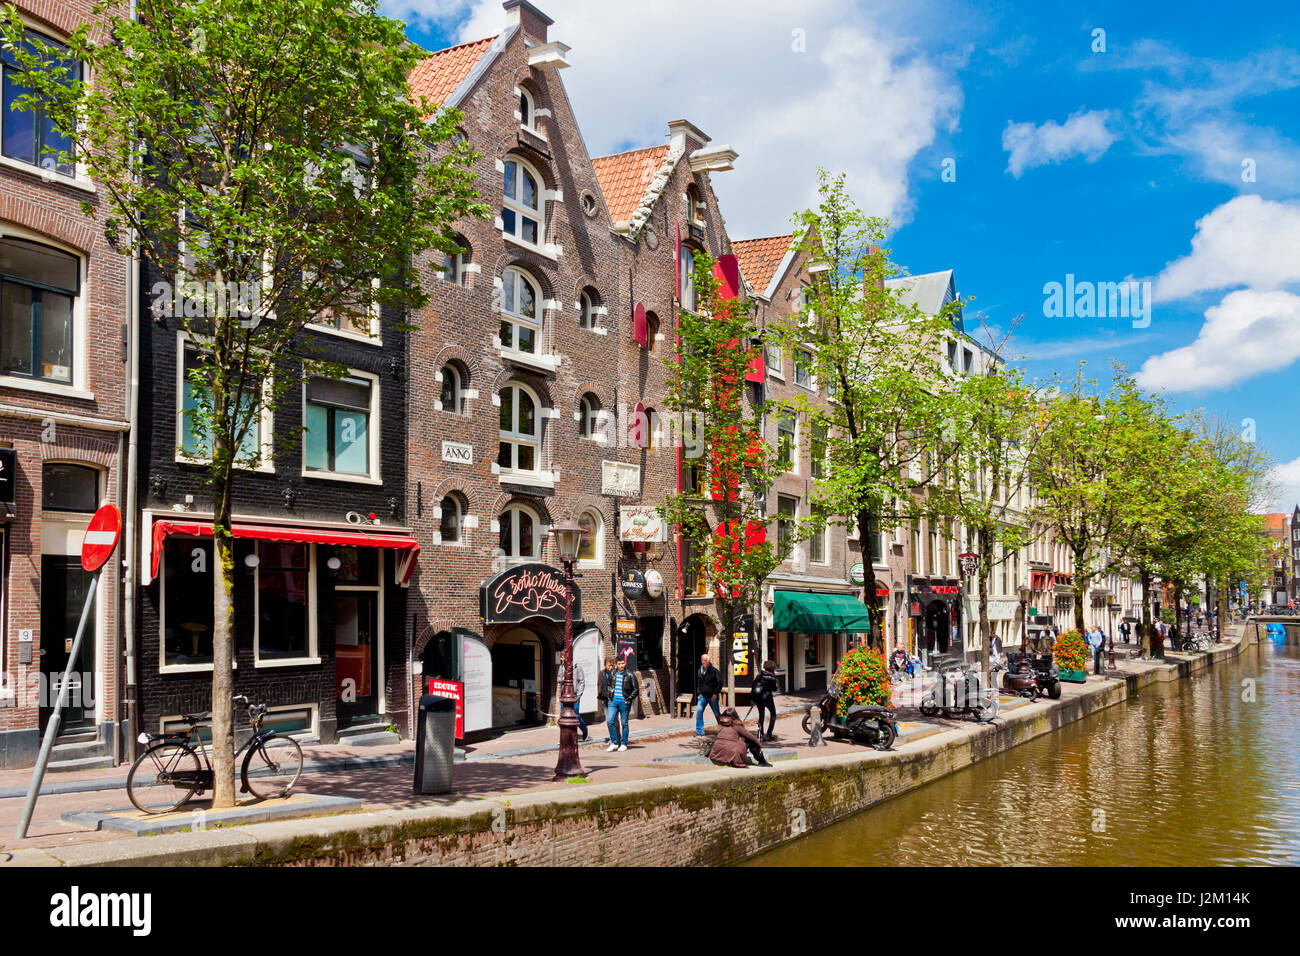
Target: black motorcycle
865	724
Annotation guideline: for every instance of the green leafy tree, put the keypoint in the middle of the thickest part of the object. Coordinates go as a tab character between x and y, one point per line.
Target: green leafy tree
880	360
266	153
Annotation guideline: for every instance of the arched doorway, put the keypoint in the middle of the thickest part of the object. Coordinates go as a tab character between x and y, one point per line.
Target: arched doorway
519	677
692	638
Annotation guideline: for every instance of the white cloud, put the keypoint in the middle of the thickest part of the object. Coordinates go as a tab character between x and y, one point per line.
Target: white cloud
860	100
1250	332
1082	134
1247	241
1285	480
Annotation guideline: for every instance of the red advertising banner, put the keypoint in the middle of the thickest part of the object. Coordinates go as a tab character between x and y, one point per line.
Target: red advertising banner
456	691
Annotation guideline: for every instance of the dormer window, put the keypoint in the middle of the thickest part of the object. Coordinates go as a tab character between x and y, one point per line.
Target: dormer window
521	210
694	205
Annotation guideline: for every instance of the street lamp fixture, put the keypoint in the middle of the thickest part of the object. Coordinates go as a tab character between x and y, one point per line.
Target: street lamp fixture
1023	591
568	538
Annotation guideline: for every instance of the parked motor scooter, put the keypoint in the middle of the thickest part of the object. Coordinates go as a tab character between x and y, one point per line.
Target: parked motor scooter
865	723
958	692
1018	676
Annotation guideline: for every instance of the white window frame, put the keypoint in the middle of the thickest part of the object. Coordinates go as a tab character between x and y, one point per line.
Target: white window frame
589	413
811	383
825	558
688	299
516	204
266	420
460	520
517	319
792	417
372	436
458	395
775	360
78	179
514	534
185	229
78	387
520	438
313	648
374	337
587	314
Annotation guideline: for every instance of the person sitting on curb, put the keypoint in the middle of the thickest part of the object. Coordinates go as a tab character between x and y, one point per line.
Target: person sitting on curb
732	742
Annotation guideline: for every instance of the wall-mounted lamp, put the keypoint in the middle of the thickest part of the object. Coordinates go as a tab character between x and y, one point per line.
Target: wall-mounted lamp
334	563
252	560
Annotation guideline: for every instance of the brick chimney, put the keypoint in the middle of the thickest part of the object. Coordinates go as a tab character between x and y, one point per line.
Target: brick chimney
684	133
880	276
531	20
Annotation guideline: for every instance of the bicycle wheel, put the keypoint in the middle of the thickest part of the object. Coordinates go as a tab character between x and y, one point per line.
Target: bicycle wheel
152	781
272	767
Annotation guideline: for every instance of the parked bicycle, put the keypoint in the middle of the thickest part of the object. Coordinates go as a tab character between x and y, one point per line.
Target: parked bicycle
175	766
1198	642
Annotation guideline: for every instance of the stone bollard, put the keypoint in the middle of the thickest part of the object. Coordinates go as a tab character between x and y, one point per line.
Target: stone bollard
815	727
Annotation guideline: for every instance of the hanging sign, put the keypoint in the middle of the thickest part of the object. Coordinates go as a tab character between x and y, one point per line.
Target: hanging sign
857	574
632	582
528	590
654	583
641	523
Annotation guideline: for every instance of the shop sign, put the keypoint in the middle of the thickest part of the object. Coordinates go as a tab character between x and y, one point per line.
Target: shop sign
620	479
740	654
529	590
455	690
625	625
625	649
632	582
458	453
945	589
916	609
654	583
857	574
475	662
586	657
8	475
641	523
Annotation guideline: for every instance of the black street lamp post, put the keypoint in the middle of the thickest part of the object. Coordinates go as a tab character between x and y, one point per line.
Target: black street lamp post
568	537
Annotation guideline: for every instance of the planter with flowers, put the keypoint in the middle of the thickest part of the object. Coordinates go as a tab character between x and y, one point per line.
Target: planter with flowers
863	679
1071	654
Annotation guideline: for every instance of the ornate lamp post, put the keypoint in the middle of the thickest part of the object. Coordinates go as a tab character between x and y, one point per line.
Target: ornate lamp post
1023	591
1110	657
568	537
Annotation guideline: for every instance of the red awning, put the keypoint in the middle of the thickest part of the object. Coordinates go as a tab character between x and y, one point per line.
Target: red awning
408	548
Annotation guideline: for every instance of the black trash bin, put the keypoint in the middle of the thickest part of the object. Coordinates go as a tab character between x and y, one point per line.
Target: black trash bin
435	744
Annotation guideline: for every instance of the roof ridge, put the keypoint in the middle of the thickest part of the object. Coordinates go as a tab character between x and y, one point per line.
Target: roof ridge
627	152
457	46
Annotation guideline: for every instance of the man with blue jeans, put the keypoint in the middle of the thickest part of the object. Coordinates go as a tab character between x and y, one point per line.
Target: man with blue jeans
708	682
619	689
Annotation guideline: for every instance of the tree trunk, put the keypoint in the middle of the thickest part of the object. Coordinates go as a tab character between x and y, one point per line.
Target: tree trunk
1080	591
223	730
985	568
876	634
1222	606
1145	636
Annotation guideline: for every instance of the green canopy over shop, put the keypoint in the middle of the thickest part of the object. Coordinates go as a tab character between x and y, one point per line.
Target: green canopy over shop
810	612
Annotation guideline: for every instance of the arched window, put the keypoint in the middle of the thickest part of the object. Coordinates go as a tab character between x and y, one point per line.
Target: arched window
694	205
40	286
527	112
453	389
521	431
449	526
592	546
453	263
588	302
69	488
520	533
651	330
521	197
521	326
652	436
589	416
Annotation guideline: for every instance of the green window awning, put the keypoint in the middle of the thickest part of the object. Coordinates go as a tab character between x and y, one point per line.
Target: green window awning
810	612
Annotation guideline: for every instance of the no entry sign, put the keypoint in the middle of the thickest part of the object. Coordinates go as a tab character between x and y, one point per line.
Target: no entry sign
101	537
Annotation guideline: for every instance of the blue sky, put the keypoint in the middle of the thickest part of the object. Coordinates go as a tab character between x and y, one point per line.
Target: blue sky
1165	151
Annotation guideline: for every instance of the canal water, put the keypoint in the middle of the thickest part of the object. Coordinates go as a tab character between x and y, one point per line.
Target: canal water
1197	772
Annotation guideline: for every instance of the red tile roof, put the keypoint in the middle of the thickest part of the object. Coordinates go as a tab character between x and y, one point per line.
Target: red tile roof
759	258
439	73
624	178
1275	522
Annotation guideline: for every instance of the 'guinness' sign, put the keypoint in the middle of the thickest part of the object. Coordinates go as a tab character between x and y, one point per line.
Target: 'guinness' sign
524	591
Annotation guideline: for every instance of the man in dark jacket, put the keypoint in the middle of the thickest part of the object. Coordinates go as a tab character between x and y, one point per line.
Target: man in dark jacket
708	683
618	688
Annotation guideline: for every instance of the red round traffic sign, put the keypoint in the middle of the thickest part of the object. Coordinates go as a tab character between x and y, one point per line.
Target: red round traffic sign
101	537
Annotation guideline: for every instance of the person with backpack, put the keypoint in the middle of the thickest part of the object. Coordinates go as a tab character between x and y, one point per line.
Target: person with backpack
764	694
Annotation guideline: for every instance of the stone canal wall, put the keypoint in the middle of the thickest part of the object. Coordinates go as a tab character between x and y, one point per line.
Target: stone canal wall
716	816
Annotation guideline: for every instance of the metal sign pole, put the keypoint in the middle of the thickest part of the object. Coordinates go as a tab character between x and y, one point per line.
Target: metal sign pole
52	728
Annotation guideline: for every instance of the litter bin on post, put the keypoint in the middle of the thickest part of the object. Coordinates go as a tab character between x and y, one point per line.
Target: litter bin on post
435	742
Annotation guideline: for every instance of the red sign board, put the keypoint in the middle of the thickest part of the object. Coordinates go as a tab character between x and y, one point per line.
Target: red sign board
456	691
946	589
101	537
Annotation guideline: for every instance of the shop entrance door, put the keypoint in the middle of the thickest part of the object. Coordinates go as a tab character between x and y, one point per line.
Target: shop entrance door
356	649
64	585
692	642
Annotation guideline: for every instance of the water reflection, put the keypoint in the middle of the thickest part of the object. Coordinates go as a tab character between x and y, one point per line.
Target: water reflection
1197	772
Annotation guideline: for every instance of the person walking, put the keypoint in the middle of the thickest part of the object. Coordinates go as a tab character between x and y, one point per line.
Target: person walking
1124	630
764	693
733	740
1096	639
620	688
579	686
708	683
603	682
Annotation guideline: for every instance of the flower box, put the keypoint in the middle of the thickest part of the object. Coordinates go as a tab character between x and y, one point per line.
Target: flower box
1073	677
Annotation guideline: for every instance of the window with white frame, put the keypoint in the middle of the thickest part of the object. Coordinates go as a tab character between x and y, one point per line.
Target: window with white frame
785	442
817	450
588	303
453	263
195	410
817	550
592	546
786	509
520	448
283	583
451	523
521	324
29	136
520	533
521	198
803	364
589	416
687	267
452	395
527	111
774	358
338	425
39	291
